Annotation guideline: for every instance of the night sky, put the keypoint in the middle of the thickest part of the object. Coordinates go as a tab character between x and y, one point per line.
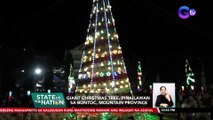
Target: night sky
53	26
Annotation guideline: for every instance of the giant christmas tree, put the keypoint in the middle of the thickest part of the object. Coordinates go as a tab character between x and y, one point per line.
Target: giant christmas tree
102	67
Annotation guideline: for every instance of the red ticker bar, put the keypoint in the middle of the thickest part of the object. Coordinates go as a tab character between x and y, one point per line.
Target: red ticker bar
66	110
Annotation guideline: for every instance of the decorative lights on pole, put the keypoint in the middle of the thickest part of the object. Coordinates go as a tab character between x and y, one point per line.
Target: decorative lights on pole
139	72
189	74
71	80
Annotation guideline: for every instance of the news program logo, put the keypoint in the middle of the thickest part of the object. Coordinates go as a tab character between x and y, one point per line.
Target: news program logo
48	100
185	12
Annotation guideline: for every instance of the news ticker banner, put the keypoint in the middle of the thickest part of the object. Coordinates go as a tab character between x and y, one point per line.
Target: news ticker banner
57	100
101	110
95	103
78	110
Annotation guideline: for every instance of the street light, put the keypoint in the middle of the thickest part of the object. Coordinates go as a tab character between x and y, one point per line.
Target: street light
38	74
38	71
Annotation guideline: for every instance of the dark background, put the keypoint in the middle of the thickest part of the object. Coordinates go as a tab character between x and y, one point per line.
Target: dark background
149	30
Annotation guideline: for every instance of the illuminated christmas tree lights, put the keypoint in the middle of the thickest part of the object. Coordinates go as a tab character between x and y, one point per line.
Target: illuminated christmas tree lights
102	68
